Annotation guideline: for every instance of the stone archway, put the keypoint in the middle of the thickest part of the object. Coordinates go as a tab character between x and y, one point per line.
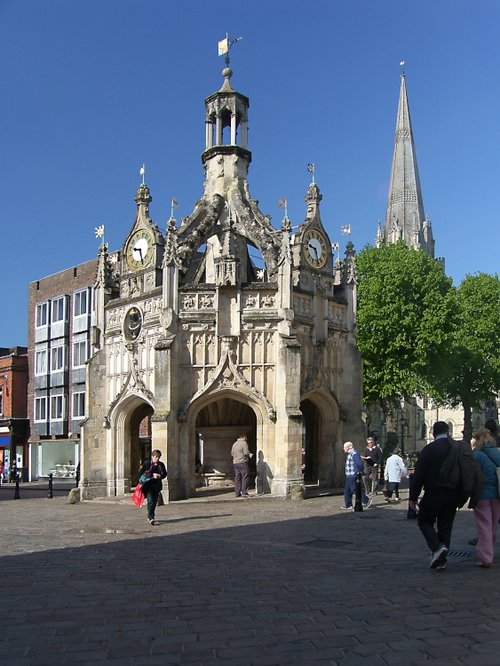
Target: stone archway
310	442
321	441
131	441
218	424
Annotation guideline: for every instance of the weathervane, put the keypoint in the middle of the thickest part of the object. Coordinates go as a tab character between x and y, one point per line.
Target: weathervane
346	229
311	168
283	203
142	172
99	232
173	204
225	45
402	64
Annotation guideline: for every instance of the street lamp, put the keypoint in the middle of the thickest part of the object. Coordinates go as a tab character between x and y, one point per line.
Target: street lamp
403	424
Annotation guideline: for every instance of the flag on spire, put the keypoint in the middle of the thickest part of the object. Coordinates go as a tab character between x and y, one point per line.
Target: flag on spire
173	205
223	46
311	168
99	231
345	228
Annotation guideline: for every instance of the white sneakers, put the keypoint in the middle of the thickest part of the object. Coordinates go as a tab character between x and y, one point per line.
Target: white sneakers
438	558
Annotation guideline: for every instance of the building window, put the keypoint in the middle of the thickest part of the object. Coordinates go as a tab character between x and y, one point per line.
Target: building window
78	405
56	407
80	353
40	409
57	358
41	314
81	303
41	362
58	309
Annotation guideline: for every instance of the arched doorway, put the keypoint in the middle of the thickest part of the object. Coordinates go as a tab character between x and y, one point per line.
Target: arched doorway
131	436
321	441
218	425
140	439
310	442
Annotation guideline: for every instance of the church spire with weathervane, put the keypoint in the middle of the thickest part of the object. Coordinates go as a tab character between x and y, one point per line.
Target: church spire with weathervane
405	217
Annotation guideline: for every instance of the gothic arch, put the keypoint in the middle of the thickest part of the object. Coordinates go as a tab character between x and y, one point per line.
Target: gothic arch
321	439
123	454
214	421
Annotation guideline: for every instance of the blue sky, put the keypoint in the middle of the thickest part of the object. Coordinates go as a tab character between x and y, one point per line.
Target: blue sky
91	89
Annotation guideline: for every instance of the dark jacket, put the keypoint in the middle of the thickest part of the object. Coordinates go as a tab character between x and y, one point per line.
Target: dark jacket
427	470
148	469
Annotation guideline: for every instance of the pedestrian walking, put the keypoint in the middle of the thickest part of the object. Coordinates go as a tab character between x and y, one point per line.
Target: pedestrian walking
240	454
487	511
438	504
353	467
372	459
395	470
151	474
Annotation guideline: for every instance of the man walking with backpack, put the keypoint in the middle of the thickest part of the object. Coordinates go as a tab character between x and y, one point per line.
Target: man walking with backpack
439	503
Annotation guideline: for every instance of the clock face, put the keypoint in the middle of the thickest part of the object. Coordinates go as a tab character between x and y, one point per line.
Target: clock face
139	250
315	248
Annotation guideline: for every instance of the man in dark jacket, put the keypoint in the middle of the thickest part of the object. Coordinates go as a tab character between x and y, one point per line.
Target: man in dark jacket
438	504
372	458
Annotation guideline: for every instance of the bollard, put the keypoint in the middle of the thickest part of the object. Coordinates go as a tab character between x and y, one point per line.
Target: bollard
358	504
16	491
50	494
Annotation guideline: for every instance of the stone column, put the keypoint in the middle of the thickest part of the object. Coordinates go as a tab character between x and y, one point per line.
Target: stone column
287	481
163	422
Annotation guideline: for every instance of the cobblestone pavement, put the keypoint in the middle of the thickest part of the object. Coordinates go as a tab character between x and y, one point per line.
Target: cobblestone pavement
226	581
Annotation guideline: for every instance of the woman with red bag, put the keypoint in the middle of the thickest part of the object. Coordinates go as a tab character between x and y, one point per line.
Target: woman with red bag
151	475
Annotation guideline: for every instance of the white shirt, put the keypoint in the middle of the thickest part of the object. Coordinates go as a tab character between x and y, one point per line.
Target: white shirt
394	469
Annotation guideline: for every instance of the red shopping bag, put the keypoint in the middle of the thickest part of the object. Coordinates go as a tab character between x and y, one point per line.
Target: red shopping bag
138	496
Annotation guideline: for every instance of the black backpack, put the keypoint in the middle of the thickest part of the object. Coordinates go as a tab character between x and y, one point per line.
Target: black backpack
461	472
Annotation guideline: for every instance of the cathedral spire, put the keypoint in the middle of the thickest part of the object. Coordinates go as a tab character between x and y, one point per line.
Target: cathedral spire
405	216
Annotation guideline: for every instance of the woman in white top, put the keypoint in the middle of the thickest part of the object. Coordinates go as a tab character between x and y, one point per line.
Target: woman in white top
394	471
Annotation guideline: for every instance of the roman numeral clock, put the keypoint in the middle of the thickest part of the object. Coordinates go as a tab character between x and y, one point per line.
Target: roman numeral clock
315	248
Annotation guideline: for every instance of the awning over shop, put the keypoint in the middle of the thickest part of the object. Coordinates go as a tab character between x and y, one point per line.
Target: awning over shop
5	440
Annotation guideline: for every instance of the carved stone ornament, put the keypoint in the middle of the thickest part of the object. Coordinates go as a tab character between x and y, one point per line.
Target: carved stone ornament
132	324
227	376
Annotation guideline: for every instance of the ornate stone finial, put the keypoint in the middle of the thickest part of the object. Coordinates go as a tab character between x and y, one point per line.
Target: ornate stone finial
313	194
143	195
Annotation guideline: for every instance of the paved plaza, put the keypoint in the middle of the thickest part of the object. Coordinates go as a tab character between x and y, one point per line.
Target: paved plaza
233	581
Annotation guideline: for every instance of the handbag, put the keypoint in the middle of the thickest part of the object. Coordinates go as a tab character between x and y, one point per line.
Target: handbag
144	478
138	496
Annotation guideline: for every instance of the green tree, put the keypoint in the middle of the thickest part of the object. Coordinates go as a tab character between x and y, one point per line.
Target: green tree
473	360
405	319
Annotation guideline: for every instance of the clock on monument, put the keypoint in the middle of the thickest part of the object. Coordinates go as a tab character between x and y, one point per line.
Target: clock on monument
315	248
139	251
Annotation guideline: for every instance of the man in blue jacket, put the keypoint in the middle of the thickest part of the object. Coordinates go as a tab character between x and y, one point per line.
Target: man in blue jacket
353	466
